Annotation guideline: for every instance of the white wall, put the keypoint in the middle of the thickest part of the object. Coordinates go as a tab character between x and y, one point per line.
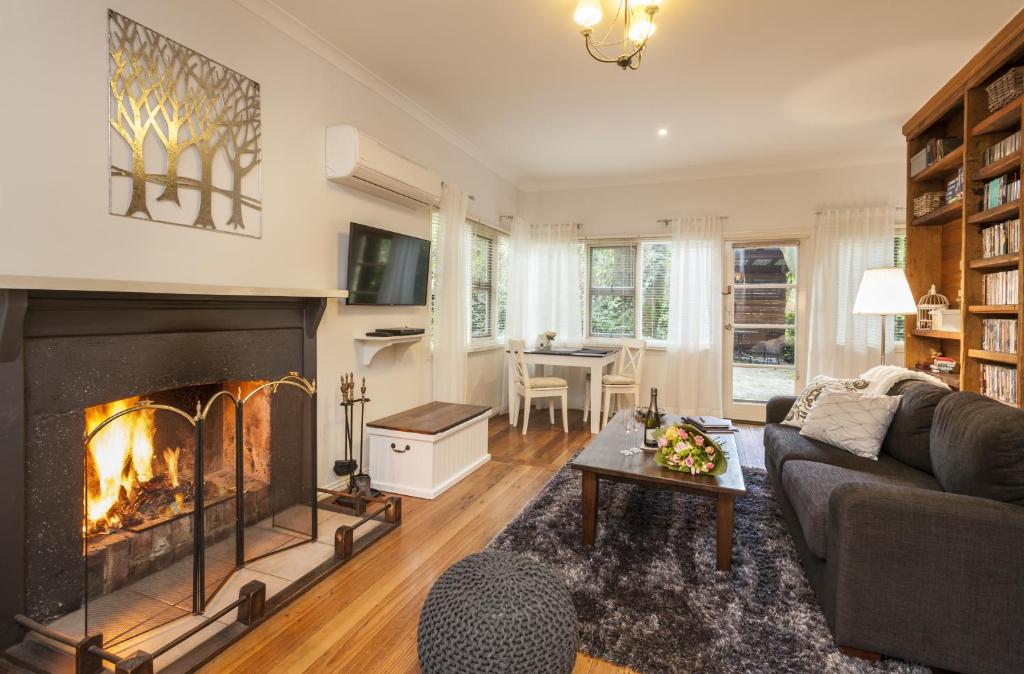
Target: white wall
782	204
54	216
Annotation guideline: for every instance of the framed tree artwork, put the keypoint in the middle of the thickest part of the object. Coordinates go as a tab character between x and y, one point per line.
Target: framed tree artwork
184	134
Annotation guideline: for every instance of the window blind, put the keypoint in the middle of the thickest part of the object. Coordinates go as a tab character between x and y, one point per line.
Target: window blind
612	282
655	279
899	256
488	294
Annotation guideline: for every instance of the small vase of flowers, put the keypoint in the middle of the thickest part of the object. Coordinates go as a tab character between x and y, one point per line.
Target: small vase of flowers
684	448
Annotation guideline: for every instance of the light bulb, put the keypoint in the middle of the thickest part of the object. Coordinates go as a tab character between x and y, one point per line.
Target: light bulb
588	13
641	27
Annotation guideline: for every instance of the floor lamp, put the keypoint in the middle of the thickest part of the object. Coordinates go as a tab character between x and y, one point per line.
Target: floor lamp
884	292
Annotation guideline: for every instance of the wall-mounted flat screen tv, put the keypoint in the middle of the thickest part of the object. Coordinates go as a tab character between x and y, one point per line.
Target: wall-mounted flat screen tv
387	268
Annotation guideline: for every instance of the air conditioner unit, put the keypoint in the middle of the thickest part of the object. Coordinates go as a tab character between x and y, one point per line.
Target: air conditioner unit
362	162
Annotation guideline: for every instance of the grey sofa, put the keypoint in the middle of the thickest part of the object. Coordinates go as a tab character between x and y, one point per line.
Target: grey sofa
919	555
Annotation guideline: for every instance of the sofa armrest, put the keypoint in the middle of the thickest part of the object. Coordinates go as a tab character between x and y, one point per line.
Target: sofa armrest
928	576
777	408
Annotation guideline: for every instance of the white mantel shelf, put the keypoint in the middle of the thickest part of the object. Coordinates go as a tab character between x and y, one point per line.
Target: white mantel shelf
155	288
368	347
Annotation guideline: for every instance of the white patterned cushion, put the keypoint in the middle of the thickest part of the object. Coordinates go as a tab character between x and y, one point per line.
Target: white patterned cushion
856	422
548	382
809	396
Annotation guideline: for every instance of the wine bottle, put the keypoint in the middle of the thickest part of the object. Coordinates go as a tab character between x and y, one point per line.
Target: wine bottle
652	420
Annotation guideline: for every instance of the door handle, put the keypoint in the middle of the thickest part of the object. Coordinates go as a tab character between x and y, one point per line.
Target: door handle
728	326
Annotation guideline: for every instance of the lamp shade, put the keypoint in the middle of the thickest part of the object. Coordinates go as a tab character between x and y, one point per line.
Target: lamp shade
884	292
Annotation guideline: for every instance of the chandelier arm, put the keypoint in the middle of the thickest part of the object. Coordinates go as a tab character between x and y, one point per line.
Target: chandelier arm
597	55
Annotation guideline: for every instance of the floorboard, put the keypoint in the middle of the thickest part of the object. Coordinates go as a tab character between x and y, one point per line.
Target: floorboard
363	618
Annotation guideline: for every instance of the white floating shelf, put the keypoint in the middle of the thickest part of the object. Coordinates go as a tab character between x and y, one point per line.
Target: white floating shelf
368	347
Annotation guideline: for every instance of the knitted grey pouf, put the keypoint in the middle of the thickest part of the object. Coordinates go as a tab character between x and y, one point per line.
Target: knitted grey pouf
498	613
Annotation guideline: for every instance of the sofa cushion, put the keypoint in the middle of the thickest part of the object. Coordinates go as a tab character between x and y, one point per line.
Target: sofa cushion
784	443
809	486
856	422
909	436
978	447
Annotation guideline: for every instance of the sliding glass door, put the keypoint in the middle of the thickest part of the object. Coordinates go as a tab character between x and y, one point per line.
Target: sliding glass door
762	321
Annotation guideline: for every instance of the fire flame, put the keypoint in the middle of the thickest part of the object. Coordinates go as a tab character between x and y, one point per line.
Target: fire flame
171	459
121	455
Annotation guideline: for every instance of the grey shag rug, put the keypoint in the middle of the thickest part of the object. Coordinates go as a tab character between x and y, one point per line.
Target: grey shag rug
648	595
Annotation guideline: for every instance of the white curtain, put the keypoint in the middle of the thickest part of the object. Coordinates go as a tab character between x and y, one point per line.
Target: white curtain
451	327
694	372
544	280
848	241
544	290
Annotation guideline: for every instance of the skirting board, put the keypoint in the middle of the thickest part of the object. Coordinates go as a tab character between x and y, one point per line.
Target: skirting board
437	491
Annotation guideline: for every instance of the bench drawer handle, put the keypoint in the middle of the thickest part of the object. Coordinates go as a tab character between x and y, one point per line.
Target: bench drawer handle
400	451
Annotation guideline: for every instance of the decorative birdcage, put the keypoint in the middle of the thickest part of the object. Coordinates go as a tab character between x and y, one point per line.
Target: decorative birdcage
933	300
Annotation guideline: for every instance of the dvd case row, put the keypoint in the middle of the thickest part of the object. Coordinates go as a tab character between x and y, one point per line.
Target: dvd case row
1002	149
999	382
1001	190
999	334
1001	239
1002	287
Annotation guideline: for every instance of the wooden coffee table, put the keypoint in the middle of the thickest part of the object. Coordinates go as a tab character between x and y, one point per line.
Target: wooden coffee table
603	460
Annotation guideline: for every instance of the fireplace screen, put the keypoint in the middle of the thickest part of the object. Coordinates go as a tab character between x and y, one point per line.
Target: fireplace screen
184	487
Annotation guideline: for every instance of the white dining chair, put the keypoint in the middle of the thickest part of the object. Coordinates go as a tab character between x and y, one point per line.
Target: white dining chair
629	369
528	388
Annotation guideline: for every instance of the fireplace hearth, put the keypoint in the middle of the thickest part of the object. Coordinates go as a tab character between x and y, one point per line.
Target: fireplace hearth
156	448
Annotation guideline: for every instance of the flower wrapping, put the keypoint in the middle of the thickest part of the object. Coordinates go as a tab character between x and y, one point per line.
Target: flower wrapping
685	448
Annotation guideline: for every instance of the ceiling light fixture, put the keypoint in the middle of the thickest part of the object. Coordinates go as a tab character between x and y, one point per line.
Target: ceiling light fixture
637	17
662	132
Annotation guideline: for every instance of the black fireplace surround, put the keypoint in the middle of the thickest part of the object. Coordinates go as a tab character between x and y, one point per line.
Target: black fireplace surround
63	351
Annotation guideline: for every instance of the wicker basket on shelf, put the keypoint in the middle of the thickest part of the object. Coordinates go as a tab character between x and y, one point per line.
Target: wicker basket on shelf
928	202
1008	87
933	300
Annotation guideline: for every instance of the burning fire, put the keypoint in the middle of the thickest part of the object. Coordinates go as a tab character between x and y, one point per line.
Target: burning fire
121	457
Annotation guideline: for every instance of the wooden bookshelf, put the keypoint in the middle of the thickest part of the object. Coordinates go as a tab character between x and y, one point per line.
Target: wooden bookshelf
1005	120
941	215
942	168
1001	262
938	334
945	247
997	214
993	356
1005	165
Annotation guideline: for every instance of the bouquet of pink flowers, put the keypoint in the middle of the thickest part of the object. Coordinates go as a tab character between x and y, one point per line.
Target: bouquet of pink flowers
684	448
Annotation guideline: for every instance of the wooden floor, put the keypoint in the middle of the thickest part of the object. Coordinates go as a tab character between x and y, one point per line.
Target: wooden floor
363	618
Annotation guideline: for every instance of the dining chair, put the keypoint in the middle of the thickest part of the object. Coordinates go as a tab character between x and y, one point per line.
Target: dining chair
625	380
528	388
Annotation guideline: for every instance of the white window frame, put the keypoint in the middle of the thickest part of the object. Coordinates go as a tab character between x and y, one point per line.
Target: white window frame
496	338
637	243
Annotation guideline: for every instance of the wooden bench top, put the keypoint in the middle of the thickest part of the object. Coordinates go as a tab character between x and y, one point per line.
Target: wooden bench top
430	419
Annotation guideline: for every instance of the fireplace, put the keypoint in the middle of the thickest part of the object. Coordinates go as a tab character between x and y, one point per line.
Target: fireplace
155	448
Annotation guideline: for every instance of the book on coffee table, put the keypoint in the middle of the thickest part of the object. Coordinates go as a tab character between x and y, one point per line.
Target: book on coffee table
710	424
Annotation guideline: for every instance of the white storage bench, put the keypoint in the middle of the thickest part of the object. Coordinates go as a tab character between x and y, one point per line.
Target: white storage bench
424	451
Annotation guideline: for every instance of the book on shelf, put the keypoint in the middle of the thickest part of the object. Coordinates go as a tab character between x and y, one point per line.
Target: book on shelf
999	382
1002	149
1002	287
934	150
999	335
955	187
1001	190
1003	238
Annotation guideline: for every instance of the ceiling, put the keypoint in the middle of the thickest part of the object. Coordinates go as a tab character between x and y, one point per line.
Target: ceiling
743	86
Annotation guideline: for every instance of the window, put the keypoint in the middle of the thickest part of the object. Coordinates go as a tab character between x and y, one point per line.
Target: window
899	252
626	289
487	276
655	277
612	284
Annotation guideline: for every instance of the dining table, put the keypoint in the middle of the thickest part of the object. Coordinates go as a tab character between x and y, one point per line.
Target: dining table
594	359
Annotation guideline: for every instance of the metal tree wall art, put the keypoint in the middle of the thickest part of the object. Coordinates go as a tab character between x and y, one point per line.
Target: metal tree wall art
184	134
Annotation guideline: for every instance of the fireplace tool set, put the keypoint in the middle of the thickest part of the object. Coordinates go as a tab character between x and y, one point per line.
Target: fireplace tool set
359	490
